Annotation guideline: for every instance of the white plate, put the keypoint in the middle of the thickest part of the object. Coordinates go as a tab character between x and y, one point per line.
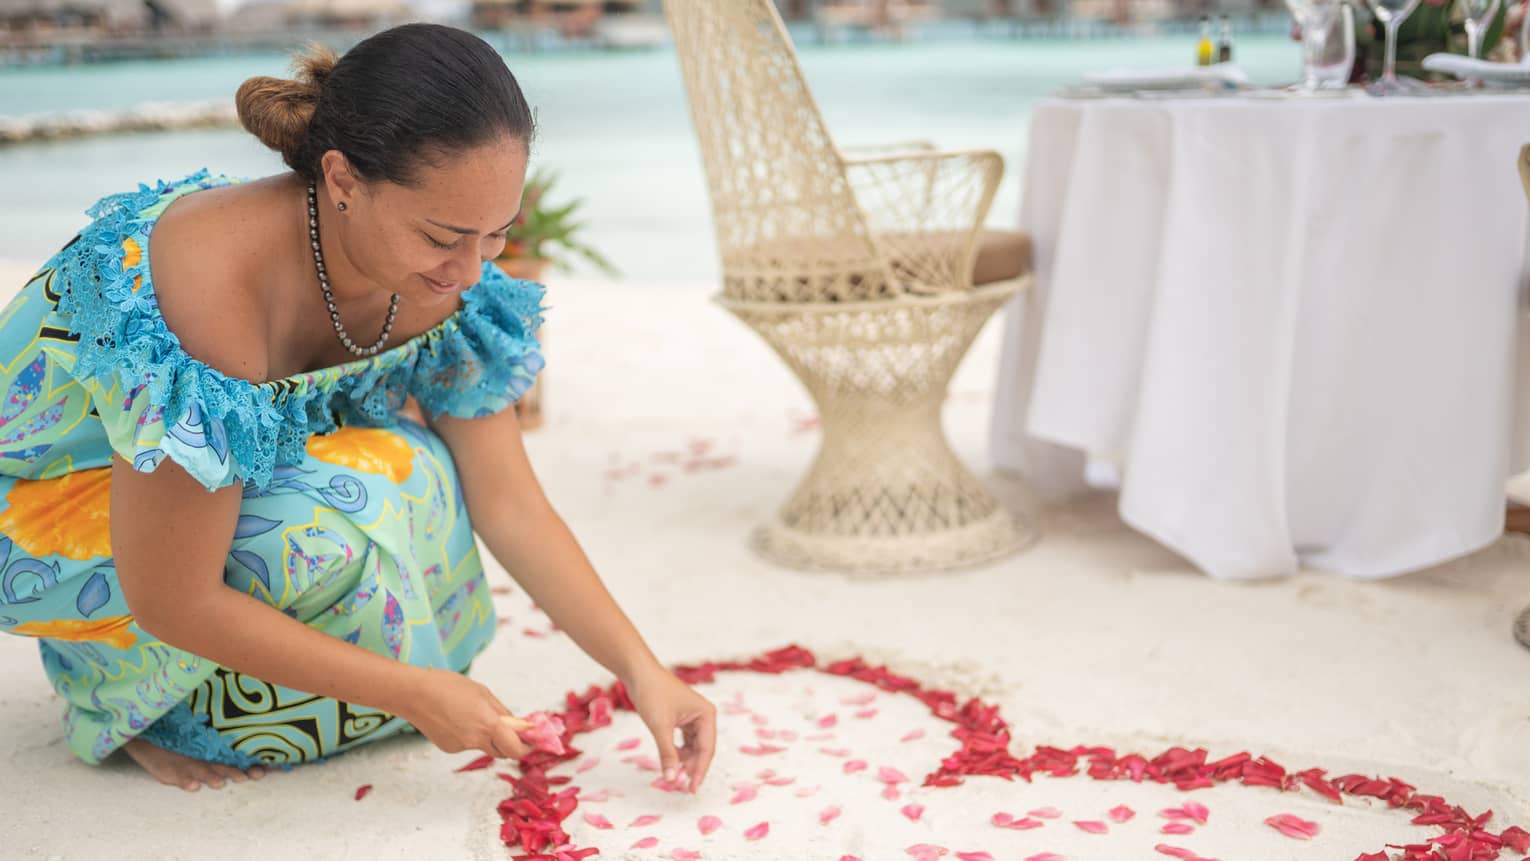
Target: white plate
1129	81
1465	67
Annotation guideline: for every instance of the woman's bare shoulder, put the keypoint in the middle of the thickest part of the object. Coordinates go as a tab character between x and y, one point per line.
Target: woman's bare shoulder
207	260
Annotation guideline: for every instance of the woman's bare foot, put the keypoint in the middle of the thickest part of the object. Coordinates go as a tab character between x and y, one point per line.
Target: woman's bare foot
173	769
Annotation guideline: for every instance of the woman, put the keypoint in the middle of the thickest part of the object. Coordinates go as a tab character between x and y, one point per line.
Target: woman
235	537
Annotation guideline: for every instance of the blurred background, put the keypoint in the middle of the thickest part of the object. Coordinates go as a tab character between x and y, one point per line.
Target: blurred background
614	128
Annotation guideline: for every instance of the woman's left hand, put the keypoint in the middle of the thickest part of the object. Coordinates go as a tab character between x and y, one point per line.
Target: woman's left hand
665	703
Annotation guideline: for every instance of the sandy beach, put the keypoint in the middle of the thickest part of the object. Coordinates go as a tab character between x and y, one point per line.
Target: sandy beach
671	432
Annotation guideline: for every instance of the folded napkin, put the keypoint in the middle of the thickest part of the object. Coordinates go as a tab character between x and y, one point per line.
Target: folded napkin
1221	74
1466	67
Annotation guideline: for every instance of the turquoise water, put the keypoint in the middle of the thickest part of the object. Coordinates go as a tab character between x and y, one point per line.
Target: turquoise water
614	125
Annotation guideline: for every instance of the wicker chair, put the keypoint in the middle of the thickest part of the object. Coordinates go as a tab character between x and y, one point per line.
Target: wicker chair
870	274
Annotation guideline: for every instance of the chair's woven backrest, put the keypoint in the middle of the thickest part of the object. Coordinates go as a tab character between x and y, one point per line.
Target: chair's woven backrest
788	225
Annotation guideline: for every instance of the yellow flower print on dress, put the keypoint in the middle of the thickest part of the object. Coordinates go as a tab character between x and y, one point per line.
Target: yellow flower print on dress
374	450
67	516
112	630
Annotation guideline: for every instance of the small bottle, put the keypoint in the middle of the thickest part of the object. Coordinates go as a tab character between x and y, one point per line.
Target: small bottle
1224	41
1205	51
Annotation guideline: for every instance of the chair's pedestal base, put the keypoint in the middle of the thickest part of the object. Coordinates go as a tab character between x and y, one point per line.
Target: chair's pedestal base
885	494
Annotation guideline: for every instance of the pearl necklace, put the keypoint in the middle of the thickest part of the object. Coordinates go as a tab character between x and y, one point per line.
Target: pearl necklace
329	298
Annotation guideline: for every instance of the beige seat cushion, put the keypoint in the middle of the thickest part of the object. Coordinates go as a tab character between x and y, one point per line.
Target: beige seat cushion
1002	255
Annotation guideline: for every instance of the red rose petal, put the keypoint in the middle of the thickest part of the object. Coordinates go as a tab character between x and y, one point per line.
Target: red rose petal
829	814
707	824
1093	826
478	764
758	832
1122	813
361	791
912	811
1293	826
1196	811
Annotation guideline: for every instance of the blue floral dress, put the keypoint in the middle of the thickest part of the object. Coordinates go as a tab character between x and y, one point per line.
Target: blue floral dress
352	519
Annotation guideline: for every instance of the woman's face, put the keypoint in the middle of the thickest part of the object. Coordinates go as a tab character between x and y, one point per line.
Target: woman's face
427	242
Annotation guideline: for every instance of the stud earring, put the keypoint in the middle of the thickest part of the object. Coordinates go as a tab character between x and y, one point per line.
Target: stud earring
340	206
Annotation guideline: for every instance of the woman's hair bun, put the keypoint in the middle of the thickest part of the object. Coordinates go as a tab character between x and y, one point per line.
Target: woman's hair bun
278	110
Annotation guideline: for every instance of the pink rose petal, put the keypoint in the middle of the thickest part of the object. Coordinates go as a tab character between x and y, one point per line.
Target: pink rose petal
887	774
866	714
708	824
891	793
546	733
860	699
856	765
679	784
595	797
643	762
760	749
1196	811
629	744
974	856
1045	856
745	793
1177	828
760	720
766	734
1046	813
848	858
1176	851
1293	826
819	736
644	821
788	735
646	843
926	851
588	764
1174	813
913	811
685	855
913	736
758	832
781	781
828	721
1093	826
807	791
833	751
595	820
1122	813
829	814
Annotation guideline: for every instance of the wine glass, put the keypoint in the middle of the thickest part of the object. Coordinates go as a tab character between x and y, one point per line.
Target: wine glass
1392	13
1477	16
1316	19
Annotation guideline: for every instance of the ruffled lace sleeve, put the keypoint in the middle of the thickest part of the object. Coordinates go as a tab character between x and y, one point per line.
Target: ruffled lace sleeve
154	401
483	359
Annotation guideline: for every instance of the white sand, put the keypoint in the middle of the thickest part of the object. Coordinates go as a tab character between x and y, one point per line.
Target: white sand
1095	635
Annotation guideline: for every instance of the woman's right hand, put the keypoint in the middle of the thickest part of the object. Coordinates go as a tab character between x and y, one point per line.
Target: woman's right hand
457	714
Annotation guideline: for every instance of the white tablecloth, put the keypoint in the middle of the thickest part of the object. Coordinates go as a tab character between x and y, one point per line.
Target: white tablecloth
1293	327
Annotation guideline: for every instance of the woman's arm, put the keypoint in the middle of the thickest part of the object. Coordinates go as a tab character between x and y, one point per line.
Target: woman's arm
170	539
512	515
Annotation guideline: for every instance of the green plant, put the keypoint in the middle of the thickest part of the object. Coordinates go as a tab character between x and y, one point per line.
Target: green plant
1434	27
543	232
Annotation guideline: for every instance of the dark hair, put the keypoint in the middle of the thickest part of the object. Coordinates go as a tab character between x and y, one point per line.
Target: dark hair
403	97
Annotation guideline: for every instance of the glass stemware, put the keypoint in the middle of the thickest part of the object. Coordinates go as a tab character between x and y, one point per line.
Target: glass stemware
1477	16
1316	19
1392	13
